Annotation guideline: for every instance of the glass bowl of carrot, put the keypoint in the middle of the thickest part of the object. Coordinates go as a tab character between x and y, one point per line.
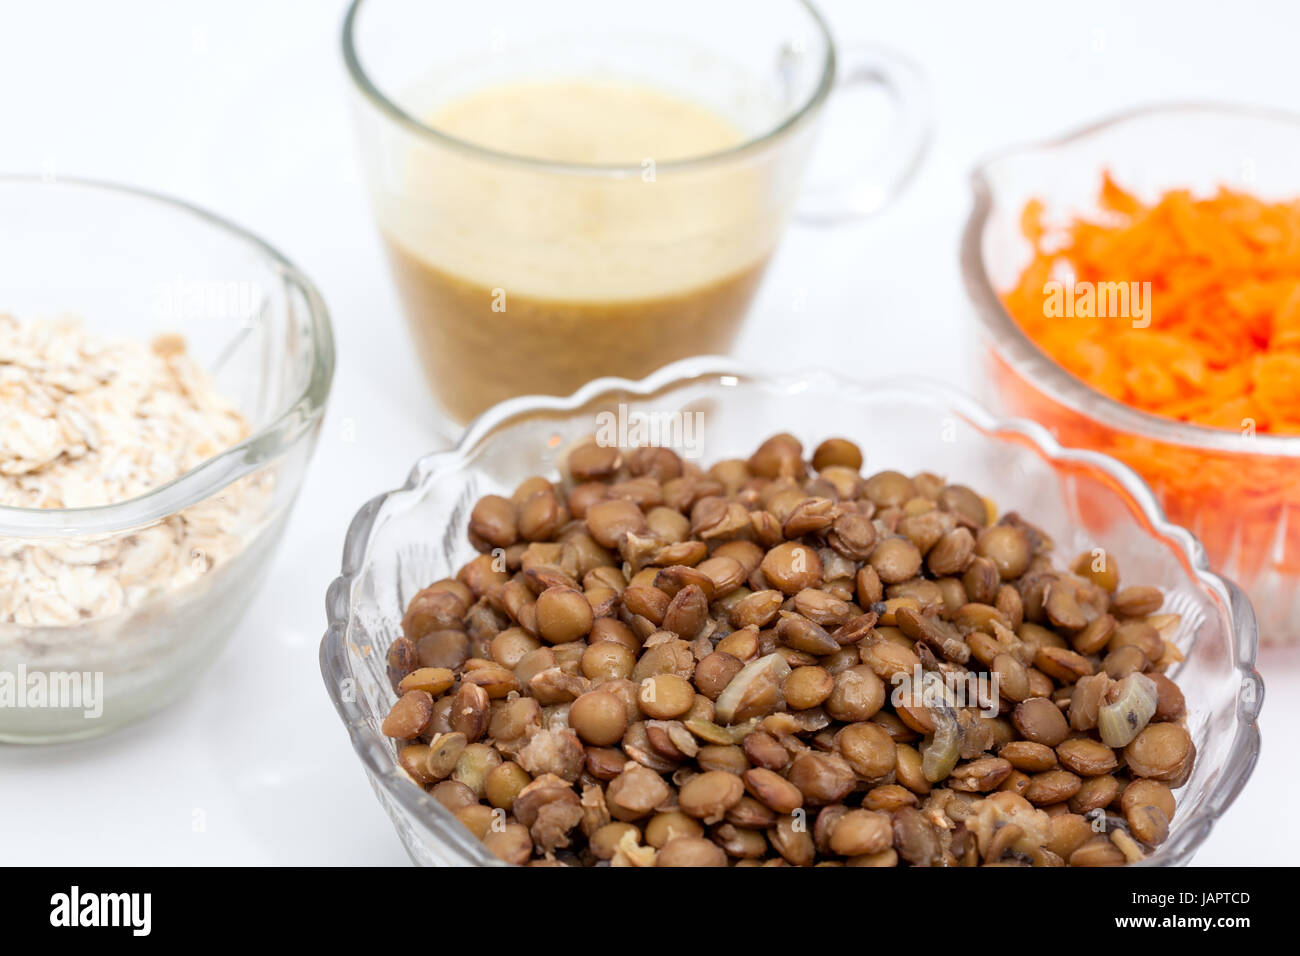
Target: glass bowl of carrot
1138	289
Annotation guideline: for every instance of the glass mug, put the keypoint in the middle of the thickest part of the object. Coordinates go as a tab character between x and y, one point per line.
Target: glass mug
530	262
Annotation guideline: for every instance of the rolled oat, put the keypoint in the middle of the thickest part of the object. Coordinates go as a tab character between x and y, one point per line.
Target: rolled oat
92	421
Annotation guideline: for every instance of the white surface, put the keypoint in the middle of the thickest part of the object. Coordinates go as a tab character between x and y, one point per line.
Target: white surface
240	106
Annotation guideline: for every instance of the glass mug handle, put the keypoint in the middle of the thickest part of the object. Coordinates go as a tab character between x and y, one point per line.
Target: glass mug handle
883	174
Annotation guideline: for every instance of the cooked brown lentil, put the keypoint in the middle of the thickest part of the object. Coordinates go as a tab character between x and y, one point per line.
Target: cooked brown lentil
687	667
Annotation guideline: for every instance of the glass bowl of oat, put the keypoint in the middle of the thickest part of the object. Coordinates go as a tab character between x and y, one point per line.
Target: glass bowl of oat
163	375
713	410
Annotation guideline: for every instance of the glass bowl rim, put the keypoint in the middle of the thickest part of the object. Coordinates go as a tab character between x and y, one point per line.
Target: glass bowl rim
296	418
418	805
1035	365
385	105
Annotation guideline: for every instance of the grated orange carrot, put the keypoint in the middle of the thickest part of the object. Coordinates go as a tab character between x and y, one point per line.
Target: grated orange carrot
1222	347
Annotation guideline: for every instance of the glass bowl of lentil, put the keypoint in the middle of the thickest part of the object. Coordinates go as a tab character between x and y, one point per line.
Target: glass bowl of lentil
163	375
402	541
1232	483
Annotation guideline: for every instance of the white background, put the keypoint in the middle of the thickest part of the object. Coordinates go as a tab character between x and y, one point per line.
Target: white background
239	106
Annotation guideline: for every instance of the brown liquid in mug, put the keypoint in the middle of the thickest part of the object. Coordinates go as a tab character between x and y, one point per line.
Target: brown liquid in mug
477	357
625	276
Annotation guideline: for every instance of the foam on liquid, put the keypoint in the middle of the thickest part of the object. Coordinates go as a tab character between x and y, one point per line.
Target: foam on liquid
550	234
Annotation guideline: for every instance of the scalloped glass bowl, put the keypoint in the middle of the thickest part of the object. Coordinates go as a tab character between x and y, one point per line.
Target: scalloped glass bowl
1238	492
401	541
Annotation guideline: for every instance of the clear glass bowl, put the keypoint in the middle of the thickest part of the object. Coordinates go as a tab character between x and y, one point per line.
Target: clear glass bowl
1238	492
401	541
136	265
